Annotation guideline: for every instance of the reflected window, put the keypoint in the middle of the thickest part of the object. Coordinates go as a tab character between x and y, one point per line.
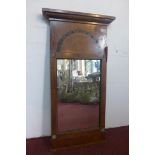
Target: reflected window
78	91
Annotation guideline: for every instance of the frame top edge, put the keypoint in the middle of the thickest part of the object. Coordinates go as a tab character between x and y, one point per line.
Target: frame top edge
63	14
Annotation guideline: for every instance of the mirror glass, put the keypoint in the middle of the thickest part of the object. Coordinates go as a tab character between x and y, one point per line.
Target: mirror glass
78	92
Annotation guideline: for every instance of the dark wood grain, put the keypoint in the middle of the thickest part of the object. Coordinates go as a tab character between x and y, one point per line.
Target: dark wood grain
79	138
77	16
103	89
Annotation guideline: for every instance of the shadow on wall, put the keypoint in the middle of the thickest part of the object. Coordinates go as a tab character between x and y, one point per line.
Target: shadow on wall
46	113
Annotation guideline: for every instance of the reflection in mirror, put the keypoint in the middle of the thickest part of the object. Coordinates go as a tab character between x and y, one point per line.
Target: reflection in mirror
78	92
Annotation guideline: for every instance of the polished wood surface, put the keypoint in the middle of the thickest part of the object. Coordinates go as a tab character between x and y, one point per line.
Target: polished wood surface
73	39
77	16
76	40
78	138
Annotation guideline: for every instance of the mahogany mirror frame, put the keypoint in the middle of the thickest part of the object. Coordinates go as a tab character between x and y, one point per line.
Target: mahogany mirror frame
83	136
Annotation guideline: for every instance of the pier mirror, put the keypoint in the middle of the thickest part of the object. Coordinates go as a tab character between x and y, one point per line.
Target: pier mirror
78	76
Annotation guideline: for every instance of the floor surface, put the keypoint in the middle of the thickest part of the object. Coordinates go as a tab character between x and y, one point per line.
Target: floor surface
116	143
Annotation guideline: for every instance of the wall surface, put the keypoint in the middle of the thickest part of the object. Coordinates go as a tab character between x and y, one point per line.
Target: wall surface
38	58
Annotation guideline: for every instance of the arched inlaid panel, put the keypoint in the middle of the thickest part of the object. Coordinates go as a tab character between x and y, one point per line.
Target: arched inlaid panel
74	32
78	38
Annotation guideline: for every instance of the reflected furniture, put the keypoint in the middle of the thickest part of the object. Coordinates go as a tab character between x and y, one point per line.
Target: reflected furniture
78	52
